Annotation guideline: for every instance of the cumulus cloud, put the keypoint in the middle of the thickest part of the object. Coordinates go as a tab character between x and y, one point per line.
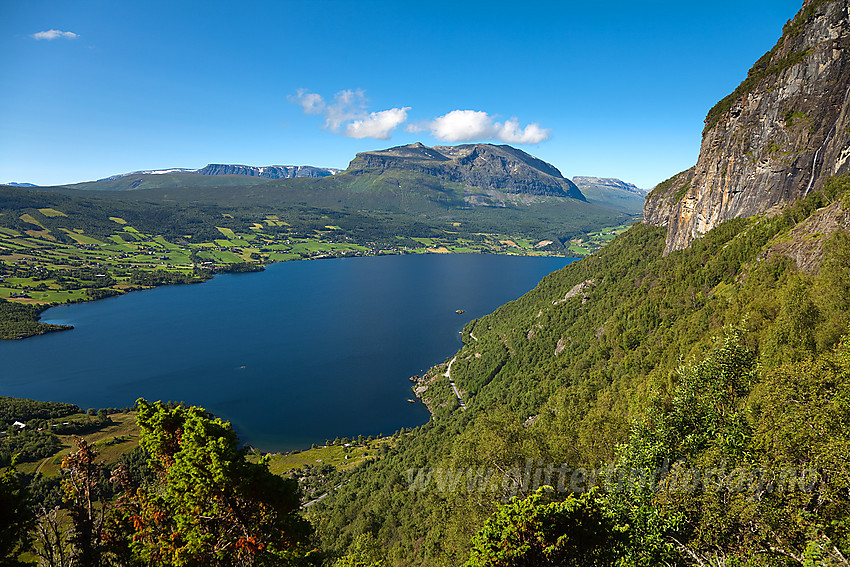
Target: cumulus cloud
511	133
311	103
348	114
472	125
54	34
348	105
463	126
378	125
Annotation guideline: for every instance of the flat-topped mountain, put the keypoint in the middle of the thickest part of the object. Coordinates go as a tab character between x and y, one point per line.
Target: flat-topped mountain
776	138
485	166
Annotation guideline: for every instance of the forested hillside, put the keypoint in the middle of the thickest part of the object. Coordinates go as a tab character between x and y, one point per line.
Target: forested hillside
721	356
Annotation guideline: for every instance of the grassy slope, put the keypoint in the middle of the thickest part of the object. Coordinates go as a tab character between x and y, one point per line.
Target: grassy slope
165	180
338	456
111	441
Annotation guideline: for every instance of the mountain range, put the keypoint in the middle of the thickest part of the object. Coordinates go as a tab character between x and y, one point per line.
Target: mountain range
267	172
464	176
485	171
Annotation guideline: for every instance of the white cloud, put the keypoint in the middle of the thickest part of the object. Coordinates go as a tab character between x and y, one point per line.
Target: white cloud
312	103
472	125
511	133
378	125
348	114
348	105
463	126
54	34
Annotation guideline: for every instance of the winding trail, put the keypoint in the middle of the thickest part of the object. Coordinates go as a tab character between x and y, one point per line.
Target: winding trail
448	374
322	497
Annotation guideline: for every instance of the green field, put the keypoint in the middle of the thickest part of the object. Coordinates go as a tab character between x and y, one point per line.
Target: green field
340	457
593	241
111	441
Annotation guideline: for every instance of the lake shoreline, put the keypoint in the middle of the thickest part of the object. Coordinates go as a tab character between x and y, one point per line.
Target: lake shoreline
303	352
218	270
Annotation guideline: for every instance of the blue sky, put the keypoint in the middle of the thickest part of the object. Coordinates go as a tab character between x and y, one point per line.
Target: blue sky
614	89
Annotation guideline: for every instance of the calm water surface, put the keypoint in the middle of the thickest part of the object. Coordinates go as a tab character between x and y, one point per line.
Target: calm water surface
302	352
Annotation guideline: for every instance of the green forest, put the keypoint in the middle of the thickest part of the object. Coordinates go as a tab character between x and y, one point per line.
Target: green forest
632	409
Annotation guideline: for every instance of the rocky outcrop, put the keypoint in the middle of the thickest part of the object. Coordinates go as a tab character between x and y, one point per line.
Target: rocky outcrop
578	289
659	205
269	172
776	138
484	166
806	242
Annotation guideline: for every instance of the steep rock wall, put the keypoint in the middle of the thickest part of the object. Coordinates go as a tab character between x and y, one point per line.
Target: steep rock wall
776	138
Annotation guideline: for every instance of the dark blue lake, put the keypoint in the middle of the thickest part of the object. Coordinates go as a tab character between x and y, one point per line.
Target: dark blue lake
302	352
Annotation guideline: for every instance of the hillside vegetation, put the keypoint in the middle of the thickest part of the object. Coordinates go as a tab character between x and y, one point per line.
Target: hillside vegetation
715	357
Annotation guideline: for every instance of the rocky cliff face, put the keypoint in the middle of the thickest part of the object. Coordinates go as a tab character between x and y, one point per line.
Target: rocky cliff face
484	166
776	138
269	172
663	201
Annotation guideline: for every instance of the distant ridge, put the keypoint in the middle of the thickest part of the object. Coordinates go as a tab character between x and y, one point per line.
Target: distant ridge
16	184
268	172
610	183
612	192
